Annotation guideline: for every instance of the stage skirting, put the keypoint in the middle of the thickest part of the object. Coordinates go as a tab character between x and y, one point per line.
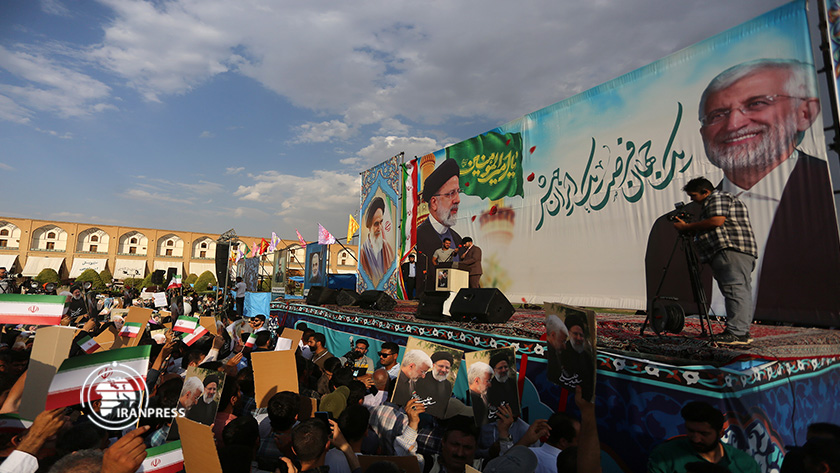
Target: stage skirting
768	404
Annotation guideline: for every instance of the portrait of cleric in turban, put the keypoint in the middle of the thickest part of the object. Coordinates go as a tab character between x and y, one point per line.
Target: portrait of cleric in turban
570	336
441	191
376	252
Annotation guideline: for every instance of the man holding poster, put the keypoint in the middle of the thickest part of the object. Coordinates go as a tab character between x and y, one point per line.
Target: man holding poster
753	116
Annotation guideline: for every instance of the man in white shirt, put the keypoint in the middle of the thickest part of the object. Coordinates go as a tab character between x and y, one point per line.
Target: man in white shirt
240	296
564	432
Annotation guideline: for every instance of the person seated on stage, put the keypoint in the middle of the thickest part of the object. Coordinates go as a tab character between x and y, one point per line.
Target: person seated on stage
704	429
317	343
444	256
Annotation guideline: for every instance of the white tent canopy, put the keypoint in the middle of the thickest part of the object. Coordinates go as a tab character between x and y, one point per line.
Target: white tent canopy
198	268
8	262
129	268
82	264
36	264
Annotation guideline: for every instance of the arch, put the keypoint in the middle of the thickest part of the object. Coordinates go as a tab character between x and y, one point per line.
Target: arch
204	247
346	258
93	240
9	235
133	243
49	238
170	245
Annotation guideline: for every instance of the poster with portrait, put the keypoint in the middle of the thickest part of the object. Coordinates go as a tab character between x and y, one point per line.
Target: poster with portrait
199	397
492	380
584	181
427	373
379	251
571	335
316	266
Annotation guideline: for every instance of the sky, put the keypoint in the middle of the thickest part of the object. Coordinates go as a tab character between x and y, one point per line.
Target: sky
259	115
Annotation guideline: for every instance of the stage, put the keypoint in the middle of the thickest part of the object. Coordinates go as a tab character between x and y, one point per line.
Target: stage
769	392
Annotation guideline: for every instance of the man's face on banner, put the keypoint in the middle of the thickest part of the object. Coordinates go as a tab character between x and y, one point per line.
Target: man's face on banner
315	266
444	204
752	124
376	225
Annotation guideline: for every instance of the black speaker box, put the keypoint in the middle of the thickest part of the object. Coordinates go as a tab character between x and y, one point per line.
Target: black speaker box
431	306
481	305
157	277
377	300
347	297
222	254
170	273
320	295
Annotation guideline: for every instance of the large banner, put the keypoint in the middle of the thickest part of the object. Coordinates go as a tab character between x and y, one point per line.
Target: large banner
315	273
563	201
378	220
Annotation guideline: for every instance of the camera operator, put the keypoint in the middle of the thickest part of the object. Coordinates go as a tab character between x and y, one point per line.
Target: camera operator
724	239
7	284
357	358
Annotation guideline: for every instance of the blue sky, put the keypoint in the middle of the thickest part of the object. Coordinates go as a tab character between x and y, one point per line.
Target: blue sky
258	115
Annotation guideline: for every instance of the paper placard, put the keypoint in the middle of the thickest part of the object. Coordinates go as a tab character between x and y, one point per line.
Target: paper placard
407	463
198	446
51	347
274	372
283	344
160	299
110	339
469	469
293	335
210	324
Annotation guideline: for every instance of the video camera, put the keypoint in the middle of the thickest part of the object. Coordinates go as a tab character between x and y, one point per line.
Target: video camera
679	212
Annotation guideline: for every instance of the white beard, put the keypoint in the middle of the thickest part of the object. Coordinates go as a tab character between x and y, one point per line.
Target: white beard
376	242
764	154
501	379
438	376
576	347
446	217
208	398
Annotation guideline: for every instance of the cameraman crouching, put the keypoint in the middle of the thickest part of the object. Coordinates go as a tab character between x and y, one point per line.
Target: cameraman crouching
724	239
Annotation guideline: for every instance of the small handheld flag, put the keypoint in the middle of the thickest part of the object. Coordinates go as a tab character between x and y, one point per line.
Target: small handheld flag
185	324
131	329
190	338
252	339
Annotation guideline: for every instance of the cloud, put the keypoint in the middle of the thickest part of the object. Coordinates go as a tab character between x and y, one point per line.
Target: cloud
64	136
326	196
6	167
231	171
320	132
69	215
206	134
384	147
138	194
54	7
11	111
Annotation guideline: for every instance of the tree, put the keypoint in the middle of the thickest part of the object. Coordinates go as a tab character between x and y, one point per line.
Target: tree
191	279
105	276
206	279
47	275
147	281
93	277
134	283
265	285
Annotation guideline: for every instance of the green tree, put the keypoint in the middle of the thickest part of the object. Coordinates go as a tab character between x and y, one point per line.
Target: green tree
147	281
265	285
47	275
135	283
191	279
93	277
105	276
206	278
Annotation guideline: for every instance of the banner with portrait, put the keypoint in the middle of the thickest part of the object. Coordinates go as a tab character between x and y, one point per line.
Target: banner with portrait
566	202
316	266
379	223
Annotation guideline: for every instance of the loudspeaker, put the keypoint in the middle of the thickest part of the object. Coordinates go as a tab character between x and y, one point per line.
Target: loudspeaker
481	305
222	254
320	295
431	306
170	273
157	277
347	297
378	300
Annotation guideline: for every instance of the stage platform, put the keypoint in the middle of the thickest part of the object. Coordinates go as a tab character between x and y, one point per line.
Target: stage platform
770	391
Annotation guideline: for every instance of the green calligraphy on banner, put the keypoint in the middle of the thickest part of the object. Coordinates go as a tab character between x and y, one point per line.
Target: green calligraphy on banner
491	165
626	177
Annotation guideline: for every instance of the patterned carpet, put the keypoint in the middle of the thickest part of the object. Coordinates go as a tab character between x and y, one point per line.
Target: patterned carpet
620	333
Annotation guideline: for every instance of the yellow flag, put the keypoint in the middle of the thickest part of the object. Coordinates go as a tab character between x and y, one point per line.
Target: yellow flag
352	226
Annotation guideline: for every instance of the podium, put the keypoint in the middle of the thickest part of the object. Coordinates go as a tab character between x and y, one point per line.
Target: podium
451	279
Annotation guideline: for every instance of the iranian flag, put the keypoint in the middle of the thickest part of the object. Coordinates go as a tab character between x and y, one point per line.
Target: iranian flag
175	282
122	367
185	324
252	339
89	345
13	424
34	309
190	338
131	329
168	458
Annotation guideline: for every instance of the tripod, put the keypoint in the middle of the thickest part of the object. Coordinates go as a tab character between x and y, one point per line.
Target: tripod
696	285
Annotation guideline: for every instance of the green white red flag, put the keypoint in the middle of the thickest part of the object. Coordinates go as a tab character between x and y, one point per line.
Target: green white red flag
13	424
126	366
175	282
252	339
131	329
89	345
168	458
190	338
185	324
31	309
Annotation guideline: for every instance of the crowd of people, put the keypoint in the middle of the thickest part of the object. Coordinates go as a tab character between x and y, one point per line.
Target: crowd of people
339	412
